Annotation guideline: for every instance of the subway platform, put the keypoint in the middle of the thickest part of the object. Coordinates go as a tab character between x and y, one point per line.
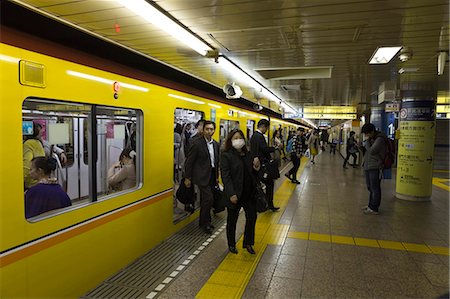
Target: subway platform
319	245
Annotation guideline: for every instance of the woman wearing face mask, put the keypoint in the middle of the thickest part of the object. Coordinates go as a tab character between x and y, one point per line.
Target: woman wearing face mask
238	168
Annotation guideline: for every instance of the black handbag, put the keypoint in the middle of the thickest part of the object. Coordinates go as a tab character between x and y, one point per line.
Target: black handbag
184	194
219	200
260	199
270	170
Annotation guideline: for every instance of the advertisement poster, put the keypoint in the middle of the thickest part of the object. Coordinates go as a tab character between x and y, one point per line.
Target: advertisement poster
415	148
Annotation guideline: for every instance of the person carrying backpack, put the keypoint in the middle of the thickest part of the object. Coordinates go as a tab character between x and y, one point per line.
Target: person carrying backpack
374	158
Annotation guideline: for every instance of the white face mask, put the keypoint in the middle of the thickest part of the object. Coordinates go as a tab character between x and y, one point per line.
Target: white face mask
238	143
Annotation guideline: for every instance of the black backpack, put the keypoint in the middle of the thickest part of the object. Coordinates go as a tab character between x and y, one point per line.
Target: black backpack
389	157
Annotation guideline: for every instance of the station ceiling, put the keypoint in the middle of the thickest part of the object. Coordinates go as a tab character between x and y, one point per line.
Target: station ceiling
274	40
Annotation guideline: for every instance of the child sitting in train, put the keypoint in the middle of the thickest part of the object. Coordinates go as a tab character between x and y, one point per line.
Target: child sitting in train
47	194
122	175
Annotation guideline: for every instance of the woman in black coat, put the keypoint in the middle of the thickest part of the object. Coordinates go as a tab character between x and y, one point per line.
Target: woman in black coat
237	166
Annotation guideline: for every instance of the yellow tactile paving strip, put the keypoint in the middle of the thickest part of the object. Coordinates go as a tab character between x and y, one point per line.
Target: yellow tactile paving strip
233	274
385	244
438	182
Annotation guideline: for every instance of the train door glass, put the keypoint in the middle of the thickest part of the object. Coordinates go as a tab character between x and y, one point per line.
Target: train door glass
54	127
226	126
250	129
184	130
117	157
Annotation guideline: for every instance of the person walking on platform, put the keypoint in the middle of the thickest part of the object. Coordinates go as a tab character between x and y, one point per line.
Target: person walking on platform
333	141
238	168
260	149
351	150
296	154
202	169
313	145
375	145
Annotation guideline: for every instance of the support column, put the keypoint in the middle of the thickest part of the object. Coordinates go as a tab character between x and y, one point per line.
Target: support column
416	147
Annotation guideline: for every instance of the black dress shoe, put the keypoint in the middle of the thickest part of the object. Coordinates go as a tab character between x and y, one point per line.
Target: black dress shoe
249	249
295	182
212	226
233	249
207	229
287	175
274	209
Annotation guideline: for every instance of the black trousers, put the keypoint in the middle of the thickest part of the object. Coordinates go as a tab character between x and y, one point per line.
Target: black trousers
250	222
296	161
269	192
207	200
348	157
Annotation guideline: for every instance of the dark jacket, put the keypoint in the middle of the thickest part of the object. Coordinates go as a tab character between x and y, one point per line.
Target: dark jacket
232	171
198	162
259	147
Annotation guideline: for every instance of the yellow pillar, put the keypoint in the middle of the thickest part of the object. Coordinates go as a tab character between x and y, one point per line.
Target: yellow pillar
415	149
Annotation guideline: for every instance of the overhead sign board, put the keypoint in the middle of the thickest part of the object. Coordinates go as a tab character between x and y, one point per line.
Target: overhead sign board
329	109
392	107
292	115
329	116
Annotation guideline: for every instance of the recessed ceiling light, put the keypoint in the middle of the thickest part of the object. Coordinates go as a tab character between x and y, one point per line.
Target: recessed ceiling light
383	55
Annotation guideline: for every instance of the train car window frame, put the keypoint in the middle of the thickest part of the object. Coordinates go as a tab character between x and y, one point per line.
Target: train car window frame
77	115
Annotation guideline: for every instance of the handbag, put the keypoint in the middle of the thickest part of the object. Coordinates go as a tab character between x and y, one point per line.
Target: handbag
260	198
219	200
270	170
184	194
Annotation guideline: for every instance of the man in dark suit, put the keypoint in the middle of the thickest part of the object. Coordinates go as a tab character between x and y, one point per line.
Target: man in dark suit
260	149
202	169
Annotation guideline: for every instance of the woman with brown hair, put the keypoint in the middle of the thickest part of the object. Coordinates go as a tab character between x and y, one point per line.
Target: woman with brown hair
237	166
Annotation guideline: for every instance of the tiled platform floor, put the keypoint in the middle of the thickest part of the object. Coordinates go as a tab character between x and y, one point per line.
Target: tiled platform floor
328	202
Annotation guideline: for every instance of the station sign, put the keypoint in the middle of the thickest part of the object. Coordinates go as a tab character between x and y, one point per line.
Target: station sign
392	107
329	116
292	115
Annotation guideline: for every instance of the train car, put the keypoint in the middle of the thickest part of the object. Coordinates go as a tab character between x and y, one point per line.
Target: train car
87	117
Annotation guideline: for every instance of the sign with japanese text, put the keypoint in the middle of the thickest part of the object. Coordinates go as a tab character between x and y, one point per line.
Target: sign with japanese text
416	148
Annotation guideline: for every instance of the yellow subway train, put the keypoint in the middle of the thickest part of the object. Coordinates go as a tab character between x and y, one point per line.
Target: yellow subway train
87	116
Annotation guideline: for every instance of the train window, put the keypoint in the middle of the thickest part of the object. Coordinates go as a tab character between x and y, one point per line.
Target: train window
116	147
184	130
63	131
226	126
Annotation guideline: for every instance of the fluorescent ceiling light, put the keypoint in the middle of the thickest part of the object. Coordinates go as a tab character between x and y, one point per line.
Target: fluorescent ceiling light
383	55
186	99
214	105
243	78
408	70
309	122
239	75
163	22
106	81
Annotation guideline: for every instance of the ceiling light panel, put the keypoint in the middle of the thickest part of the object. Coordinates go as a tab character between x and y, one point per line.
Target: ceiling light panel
383	55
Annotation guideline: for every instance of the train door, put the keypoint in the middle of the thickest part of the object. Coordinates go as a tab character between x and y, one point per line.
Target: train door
184	129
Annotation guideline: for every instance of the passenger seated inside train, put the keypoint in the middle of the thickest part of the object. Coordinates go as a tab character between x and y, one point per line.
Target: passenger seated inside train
47	194
122	175
34	146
